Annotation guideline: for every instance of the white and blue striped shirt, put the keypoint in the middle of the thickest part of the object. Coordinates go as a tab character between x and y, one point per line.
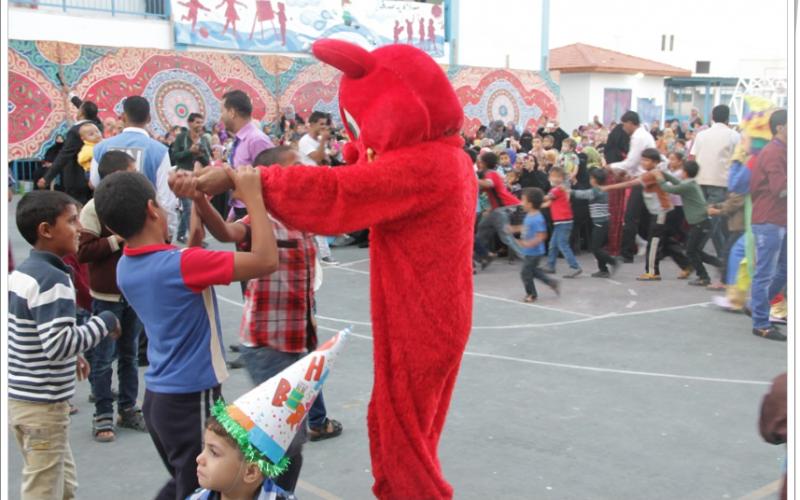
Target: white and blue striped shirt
43	336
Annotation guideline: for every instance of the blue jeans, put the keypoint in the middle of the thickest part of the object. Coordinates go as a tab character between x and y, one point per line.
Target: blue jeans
769	277
735	256
127	350
559	241
719	225
185	213
263	363
495	223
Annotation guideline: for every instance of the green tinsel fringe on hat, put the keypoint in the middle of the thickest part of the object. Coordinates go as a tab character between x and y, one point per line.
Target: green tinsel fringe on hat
250	452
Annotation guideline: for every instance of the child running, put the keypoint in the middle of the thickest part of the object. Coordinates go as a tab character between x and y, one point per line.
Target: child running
598	209
172	293
561	212
696	213
534	234
43	343
657	202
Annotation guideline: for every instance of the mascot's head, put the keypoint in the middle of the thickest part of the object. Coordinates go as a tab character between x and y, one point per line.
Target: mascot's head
392	97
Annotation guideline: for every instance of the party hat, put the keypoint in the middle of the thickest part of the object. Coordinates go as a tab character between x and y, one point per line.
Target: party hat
265	420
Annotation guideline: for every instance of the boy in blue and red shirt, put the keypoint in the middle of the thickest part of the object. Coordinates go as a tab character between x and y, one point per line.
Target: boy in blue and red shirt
171	292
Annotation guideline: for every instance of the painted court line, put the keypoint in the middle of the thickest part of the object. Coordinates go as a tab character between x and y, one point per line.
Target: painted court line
589	368
767	491
543	325
352	263
484	296
630	304
565	365
315	490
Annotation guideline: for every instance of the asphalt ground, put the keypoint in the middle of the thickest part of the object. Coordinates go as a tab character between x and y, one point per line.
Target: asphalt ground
616	390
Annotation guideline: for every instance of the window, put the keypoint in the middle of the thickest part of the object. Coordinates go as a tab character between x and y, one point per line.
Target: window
671	42
703	67
663	43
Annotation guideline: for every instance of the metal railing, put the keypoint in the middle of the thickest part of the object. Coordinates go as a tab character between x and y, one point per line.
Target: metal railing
156	9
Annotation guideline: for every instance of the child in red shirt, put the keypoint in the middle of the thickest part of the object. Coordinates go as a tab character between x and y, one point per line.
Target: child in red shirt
561	213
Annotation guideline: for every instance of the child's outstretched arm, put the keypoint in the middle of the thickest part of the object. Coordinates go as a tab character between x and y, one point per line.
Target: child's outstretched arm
262	259
621	185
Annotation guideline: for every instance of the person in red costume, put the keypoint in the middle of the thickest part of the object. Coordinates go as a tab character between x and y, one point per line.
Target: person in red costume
410	182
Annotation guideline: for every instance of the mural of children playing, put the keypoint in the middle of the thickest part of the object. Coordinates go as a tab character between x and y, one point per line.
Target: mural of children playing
193	6
410	31
264	12
397	30
282	22
422	33
230	14
431	36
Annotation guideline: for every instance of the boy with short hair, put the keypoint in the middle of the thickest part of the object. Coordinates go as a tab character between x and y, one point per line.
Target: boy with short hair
278	325
534	234
43	343
101	250
696	212
172	292
561	213
658	205
598	210
569	161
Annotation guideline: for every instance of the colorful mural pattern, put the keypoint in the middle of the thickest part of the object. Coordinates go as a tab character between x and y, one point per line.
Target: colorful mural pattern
179	83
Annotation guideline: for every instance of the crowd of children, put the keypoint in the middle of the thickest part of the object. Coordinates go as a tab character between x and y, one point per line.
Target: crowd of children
542	194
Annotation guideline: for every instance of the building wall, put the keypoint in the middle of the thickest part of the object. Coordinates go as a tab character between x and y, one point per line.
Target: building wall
88	28
177	83
582	95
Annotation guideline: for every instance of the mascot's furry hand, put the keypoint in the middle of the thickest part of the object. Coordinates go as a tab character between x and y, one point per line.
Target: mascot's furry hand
411	183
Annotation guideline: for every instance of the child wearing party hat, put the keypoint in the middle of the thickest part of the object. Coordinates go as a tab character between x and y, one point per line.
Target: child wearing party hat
246	443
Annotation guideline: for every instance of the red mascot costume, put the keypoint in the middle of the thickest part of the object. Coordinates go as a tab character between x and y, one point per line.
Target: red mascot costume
410	182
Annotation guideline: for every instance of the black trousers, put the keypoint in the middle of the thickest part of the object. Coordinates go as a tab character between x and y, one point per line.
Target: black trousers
699	235
599	240
636	221
660	246
176	423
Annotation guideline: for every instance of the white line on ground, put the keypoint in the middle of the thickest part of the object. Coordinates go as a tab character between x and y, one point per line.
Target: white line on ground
764	492
517	326
492	297
632	292
630	304
352	263
567	365
613	282
590	368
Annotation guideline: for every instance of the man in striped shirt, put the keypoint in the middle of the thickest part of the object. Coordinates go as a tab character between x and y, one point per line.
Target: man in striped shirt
43	343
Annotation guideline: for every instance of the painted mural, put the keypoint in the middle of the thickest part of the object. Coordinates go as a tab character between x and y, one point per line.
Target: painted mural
293	25
178	83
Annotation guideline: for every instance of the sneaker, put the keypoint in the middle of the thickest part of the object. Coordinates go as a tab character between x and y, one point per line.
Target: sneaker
770	333
725	303
574	274
556	287
235	364
330	261
648	277
685	273
777	320
716	287
601	274
704	282
131	418
549	270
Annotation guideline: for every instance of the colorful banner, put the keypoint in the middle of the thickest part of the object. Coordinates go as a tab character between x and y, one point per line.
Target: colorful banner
293	25
178	83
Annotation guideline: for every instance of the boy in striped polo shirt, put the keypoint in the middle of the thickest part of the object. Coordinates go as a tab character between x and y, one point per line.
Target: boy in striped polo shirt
172	292
598	210
44	342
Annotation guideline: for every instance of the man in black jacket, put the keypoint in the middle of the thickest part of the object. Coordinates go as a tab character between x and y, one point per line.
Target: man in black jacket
73	177
552	129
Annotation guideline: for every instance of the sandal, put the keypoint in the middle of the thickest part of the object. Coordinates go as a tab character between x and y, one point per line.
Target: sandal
330	429
103	428
132	418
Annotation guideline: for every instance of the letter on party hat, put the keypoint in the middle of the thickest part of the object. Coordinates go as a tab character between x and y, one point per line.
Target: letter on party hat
272	413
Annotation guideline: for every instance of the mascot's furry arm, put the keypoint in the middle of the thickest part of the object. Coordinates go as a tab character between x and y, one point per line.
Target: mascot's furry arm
339	200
